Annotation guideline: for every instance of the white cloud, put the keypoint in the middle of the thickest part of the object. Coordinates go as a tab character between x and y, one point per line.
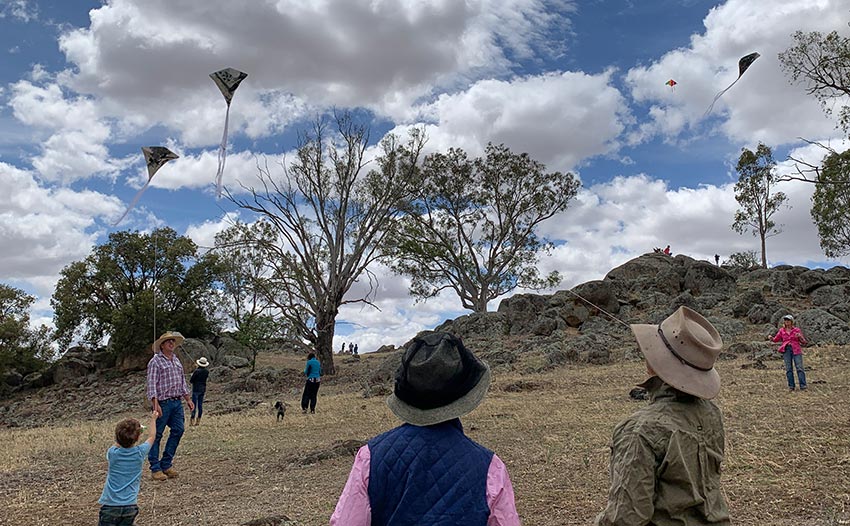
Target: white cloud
763	105
23	10
43	230
538	115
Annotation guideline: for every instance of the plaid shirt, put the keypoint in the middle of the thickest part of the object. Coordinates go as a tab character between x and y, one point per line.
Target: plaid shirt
165	378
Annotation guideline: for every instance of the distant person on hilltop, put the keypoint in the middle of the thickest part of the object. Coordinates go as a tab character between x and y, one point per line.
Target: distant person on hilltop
717	259
355	349
427	471
667	250
792	340
313	372
665	458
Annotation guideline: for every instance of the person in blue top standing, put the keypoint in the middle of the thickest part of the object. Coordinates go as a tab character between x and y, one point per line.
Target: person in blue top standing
123	476
313	372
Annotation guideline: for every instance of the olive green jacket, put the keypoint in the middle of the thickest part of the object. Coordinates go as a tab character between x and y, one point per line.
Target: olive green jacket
665	463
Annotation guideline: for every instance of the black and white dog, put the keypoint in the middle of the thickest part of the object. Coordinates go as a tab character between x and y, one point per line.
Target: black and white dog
281	410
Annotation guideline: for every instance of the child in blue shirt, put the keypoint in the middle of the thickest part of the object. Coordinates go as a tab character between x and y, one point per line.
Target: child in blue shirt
123	477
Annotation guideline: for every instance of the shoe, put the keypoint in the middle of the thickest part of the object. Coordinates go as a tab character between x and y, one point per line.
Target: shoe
171	473
304	411
803	388
198	421
158	475
191	421
791	389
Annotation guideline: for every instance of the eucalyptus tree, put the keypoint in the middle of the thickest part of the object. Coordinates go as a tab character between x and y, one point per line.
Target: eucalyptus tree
472	226
755	193
327	214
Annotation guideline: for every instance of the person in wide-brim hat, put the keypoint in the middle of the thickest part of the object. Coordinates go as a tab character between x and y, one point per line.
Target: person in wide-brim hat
439	379
168	335
427	471
682	351
666	457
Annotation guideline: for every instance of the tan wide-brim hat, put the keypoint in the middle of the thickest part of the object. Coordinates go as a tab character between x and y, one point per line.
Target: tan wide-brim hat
202	362
176	336
682	351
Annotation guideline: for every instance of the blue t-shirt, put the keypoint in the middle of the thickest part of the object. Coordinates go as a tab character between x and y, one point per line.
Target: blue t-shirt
124	474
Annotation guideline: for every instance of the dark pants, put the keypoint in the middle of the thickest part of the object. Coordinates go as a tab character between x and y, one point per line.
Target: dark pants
311	389
117	515
172	416
198	400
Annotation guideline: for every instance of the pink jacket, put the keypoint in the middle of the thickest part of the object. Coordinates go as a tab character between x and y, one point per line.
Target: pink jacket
794	337
353	507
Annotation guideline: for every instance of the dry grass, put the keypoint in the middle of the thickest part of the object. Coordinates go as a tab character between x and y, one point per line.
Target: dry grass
788	454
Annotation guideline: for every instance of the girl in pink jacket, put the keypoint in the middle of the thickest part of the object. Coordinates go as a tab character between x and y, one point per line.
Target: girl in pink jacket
791	339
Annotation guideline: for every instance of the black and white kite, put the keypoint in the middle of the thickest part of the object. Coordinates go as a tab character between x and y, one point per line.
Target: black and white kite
745	62
155	158
227	81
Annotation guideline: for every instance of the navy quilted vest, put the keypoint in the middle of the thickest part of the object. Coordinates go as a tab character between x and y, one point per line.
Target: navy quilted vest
433	475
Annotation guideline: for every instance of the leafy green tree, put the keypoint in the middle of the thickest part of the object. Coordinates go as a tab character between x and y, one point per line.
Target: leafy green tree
755	193
132	286
472	225
822	63
247	293
21	347
831	204
746	260
328	216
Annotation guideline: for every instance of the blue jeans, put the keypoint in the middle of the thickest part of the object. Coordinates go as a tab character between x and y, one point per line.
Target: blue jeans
117	515
198	400
794	361
172	416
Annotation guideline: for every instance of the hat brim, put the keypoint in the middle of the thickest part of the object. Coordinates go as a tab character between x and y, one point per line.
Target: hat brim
199	364
456	409
177	339
674	372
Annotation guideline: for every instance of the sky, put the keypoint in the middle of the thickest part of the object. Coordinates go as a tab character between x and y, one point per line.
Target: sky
579	85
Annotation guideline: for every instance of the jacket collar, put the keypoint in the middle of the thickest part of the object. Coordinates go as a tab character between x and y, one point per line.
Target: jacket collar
658	390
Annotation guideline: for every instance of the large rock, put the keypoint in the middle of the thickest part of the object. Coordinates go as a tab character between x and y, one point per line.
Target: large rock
655	272
811	280
521	312
477	325
744	301
820	326
830	295
702	276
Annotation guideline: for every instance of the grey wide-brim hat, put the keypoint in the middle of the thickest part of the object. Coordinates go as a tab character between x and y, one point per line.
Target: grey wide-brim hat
439	379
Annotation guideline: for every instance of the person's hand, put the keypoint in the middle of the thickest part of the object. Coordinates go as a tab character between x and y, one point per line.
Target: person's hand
191	405
155	415
157	410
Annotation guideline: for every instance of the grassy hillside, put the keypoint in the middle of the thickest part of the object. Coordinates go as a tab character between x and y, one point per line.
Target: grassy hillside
788	454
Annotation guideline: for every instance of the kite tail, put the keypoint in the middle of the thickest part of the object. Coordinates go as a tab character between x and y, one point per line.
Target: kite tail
132	203
704	115
222	155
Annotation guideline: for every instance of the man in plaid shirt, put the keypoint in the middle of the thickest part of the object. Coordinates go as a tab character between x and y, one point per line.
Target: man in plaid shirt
166	385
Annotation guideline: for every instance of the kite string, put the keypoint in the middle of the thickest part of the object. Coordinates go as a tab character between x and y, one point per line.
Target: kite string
599	308
718	96
132	203
222	154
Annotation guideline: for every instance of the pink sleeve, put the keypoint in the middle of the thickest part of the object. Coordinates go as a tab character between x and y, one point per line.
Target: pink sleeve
353	508
500	495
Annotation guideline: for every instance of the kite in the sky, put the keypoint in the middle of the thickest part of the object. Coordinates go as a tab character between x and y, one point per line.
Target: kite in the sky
671	83
227	81
155	158
745	62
